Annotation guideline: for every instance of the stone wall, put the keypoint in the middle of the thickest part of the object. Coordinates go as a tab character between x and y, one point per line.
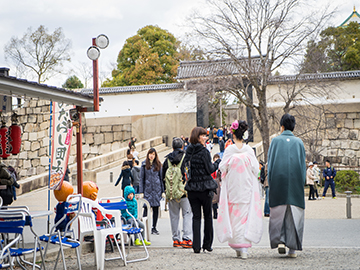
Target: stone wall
341	144
34	120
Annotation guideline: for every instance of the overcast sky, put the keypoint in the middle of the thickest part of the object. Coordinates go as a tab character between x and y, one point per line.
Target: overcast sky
118	19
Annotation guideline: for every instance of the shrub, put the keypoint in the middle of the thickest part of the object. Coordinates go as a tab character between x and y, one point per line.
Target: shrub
347	180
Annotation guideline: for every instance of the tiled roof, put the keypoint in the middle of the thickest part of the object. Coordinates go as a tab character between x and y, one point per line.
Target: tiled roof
209	68
135	88
338	75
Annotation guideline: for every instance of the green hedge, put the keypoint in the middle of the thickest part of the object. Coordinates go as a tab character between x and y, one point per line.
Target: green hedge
347	181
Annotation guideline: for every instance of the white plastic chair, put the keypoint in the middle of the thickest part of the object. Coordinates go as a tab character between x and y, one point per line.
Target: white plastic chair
88	223
67	237
146	220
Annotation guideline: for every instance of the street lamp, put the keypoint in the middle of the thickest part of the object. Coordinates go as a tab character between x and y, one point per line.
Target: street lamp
93	52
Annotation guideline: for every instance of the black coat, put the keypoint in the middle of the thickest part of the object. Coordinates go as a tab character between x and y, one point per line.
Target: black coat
175	158
201	169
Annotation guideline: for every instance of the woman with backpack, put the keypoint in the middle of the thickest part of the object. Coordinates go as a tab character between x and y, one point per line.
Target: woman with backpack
200	187
151	186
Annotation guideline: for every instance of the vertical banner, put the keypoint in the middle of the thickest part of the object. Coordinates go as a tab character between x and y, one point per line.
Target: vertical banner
61	142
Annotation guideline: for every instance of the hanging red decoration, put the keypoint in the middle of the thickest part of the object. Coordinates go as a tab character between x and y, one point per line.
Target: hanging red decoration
4	142
14	136
15	139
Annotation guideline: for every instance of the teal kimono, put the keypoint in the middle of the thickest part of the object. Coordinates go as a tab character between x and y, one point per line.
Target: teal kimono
286	171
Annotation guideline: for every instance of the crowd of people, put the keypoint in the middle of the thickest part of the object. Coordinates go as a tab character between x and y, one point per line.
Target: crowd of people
227	187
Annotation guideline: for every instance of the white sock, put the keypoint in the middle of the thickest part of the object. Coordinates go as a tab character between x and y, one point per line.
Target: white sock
243	250
291	251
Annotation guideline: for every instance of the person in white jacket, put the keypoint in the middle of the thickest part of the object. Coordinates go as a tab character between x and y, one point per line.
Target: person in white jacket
310	177
240	215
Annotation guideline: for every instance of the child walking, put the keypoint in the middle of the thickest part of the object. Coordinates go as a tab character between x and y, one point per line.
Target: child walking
129	194
240	216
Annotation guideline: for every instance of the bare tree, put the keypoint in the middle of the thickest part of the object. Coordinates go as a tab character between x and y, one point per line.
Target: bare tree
271	30
39	52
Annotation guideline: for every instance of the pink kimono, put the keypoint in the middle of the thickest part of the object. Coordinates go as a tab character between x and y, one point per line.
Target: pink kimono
240	217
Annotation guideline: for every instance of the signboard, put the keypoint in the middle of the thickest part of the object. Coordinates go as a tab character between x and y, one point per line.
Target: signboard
61	142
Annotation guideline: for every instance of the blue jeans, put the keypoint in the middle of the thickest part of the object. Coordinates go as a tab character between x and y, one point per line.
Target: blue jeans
332	184
266	206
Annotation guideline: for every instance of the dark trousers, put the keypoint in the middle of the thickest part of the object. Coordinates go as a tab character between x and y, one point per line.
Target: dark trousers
332	184
215	210
155	215
197	201
311	192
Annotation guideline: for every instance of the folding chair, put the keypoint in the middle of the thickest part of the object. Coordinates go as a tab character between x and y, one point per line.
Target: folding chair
67	237
121	205
88	223
13	221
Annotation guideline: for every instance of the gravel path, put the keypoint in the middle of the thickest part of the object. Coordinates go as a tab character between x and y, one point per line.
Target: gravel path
224	258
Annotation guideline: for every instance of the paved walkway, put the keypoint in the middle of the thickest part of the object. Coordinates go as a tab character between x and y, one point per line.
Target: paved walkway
330	240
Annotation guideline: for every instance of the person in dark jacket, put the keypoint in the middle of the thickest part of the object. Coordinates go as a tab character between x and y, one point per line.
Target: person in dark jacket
200	187
183	204
6	184
151	185
125	175
135	171
329	174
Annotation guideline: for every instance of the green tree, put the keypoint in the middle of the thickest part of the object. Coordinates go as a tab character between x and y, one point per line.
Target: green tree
39	52
149	57
337	50
73	82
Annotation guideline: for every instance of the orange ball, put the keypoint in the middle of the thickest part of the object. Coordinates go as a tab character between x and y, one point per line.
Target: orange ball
90	190
65	190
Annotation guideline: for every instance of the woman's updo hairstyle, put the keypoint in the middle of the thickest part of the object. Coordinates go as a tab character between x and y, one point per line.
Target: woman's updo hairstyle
242	127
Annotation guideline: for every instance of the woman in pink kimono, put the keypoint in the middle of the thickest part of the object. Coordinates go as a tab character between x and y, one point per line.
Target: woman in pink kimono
240	216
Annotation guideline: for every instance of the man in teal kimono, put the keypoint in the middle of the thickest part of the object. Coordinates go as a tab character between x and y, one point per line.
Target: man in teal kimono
286	177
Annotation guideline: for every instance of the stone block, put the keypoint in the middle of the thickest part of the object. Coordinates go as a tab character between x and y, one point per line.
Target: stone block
43	151
23	173
330	122
35	146
118	136
350	153
341	115
21	111
358	154
26	104
46	117
45	125
117	128
340	123
33	103
43	134
104	148
90	129
45	109
341	152
44	161
23	155
115	146
98	139
354	134
353	161
355	145
24	136
357	123
349	123
30	127
32	118
89	138
323	152
94	149
332	153
335	144
29	111
108	137
26	145
40	170
127	127
86	149
351	115
345	161
330	115
72	159
33	154
37	110
27	164
41	102
35	162
31	171
345	144
23	119
40	118
107	128
344	133
44	142
33	136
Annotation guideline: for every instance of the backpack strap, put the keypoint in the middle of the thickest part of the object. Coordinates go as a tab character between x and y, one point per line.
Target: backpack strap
182	159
